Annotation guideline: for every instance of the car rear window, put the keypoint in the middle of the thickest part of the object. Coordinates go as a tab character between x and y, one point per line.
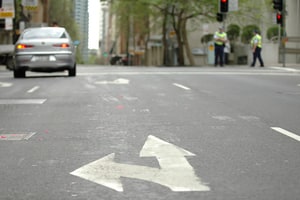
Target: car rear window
44	33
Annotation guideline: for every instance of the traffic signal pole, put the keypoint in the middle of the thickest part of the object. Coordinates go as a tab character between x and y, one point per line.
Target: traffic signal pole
283	26
279	6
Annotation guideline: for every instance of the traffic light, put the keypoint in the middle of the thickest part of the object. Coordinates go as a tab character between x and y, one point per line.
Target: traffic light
279	19
219	17
278	5
223	6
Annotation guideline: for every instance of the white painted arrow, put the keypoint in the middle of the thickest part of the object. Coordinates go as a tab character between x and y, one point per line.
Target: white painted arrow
3	84
119	81
175	172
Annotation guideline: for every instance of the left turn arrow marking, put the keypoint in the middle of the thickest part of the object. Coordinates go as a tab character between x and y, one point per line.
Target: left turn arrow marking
175	172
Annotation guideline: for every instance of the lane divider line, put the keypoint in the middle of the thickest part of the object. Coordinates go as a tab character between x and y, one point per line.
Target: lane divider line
22	101
181	86
33	89
287	133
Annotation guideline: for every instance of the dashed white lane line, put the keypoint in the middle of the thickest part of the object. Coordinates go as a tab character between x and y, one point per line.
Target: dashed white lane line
22	101
287	133
181	86
33	89
3	84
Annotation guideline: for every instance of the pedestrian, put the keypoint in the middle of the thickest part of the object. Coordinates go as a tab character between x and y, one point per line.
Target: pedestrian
256	45
220	38
227	52
54	24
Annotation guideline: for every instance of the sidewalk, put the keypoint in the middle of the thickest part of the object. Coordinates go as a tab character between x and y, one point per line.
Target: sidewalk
287	65
3	68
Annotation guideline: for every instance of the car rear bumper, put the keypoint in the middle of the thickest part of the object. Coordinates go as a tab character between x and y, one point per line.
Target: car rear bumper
44	62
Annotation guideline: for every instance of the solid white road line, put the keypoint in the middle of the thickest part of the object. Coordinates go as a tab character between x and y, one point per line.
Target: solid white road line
287	133
181	86
33	89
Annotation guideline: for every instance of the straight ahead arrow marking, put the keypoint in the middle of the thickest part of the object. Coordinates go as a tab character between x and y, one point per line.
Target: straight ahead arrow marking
175	172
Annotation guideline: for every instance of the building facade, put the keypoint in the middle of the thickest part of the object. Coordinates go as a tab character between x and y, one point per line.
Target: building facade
81	17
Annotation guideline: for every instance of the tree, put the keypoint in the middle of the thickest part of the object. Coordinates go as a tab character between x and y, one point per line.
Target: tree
169	14
247	33
180	13
61	11
132	22
233	32
272	33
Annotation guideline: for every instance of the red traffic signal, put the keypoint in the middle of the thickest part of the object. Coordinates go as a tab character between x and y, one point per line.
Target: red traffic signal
279	18
223	6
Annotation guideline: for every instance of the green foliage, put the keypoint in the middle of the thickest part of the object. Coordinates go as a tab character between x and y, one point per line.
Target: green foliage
62	13
165	15
206	38
247	33
272	32
233	32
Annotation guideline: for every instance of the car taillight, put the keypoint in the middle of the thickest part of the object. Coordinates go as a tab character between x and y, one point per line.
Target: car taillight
24	46
63	45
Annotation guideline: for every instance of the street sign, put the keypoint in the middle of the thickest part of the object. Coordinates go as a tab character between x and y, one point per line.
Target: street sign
7	9
233	5
175	171
30	4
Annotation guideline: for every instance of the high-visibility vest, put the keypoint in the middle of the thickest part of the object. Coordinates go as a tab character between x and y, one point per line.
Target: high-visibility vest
256	40
259	44
220	35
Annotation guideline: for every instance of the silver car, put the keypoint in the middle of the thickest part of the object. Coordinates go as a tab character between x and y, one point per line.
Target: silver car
44	49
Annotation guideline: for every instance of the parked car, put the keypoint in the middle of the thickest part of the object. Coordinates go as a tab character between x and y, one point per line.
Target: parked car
44	49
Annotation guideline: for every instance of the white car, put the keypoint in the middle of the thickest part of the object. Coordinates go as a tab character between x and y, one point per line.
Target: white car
44	49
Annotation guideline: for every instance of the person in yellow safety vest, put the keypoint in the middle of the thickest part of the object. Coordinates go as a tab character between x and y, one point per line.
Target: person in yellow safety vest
220	38
256	45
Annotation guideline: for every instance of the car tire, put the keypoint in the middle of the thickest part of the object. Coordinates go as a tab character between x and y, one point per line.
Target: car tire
72	71
19	73
10	63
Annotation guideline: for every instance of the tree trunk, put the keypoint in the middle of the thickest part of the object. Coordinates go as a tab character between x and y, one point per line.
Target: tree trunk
179	41
186	44
164	38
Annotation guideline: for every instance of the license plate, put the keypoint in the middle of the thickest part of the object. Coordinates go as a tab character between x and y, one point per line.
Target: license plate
40	58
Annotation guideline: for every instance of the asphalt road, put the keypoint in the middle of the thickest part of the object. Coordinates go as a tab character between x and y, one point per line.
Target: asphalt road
151	133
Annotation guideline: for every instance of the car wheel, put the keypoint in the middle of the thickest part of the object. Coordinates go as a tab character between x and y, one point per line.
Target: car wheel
19	73
72	71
